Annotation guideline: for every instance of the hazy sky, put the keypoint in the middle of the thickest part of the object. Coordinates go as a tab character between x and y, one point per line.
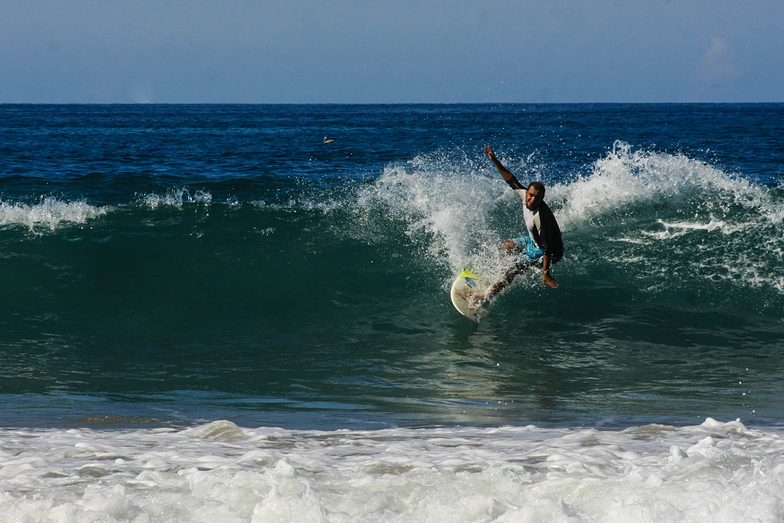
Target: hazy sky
394	51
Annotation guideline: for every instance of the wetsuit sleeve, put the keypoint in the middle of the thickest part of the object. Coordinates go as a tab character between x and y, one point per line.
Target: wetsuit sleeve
550	240
515	184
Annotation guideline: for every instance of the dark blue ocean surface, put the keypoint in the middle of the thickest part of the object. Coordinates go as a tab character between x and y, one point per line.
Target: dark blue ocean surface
173	264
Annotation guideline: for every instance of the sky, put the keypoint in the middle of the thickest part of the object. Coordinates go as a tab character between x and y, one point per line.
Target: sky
393	51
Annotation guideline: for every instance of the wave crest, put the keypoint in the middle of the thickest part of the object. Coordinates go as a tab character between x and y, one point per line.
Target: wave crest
625	178
176	198
49	213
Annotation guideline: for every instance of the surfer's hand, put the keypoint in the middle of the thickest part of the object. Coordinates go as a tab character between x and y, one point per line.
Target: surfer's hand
549	280
490	154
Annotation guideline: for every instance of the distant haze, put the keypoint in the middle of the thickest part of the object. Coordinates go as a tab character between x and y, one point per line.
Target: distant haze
399	51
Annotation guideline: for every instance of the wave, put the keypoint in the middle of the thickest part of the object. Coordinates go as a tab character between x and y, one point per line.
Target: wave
663	221
647	214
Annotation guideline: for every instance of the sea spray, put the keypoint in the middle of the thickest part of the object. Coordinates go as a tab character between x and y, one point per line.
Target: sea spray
455	204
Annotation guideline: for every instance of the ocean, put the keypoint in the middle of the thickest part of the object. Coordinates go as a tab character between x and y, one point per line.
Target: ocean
209	314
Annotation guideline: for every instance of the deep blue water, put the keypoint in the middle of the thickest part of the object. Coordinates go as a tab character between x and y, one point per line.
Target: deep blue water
173	264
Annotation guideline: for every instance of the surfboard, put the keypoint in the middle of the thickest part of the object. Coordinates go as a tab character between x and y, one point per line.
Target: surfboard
467	284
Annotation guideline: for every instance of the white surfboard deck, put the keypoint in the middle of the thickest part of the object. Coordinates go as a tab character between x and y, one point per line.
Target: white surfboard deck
465	285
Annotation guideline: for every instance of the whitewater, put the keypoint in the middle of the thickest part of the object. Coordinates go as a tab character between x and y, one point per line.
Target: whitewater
720	472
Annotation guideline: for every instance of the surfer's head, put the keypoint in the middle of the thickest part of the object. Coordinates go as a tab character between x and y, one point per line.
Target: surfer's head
534	195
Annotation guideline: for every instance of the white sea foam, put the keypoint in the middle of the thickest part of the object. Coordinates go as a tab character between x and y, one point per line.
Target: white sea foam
48	214
681	228
221	472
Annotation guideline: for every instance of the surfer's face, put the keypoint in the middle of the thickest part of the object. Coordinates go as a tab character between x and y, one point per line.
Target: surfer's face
532	198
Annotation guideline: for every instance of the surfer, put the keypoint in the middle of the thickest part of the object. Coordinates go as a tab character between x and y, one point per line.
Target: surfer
543	242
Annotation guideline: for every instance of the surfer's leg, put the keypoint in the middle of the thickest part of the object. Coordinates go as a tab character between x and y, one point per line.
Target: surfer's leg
506	280
515	246
526	255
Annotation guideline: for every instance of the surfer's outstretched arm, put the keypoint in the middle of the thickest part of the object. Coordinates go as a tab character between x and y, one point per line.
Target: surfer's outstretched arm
505	173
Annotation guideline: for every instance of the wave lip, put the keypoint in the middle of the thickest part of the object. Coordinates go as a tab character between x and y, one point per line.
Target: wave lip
176	198
625	178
